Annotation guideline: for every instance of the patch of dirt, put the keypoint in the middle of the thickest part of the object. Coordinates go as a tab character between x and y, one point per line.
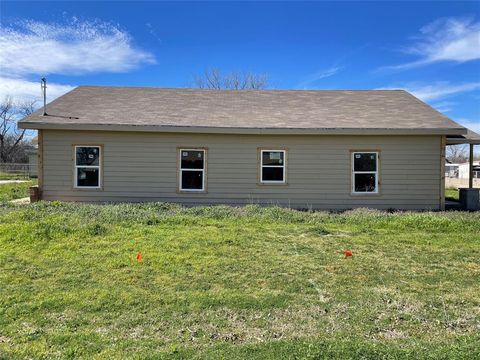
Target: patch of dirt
4	340
252	326
471	266
22	201
392	334
136	333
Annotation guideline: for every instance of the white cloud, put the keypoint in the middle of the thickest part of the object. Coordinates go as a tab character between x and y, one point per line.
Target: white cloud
442	90
151	31
437	90
444	106
447	39
322	74
471	124
23	90
31	47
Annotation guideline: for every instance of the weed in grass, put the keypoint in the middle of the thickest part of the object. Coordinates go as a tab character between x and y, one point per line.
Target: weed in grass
15	191
96	229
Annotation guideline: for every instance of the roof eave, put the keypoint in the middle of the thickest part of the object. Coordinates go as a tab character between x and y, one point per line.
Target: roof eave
463	141
239	130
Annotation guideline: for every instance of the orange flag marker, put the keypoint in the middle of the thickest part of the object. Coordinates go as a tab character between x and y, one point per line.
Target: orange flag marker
348	253
139	256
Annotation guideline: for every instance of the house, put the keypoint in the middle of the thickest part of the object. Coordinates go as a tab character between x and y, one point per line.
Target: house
305	149
451	170
464	170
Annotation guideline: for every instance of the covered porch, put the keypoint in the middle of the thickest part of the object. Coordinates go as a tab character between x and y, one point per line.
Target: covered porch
469	198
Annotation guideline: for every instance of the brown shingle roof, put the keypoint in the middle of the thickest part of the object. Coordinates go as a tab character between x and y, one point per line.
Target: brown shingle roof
288	111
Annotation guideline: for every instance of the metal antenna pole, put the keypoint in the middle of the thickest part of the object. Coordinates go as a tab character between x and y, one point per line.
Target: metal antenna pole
44	89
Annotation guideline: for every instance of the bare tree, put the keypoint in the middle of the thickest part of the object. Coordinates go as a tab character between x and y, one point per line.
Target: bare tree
11	137
214	79
456	153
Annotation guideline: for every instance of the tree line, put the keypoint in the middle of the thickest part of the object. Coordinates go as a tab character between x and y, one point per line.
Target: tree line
14	145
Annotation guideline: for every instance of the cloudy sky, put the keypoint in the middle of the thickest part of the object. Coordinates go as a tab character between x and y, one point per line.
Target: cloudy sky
431	49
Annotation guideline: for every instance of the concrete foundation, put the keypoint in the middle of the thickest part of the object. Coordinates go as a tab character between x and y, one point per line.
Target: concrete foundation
470	199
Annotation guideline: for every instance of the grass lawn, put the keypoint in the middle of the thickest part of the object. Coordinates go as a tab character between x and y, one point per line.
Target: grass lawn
13	176
452	193
15	190
235	283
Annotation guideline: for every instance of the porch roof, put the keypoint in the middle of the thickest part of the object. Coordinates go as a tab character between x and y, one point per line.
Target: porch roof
470	137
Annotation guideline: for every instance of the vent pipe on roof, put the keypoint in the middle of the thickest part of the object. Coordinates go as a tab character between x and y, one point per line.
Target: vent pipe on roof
44	92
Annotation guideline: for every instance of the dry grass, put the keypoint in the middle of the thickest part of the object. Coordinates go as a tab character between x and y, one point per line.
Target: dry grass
460	183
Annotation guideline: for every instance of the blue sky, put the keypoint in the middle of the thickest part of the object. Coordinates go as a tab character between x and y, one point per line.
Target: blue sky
429	48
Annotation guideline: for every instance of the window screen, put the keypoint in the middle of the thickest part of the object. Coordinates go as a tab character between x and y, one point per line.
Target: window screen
87	166
192	170
365	172
272	166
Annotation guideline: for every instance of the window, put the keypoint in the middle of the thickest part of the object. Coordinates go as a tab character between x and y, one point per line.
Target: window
87	166
272	166
365	172
192	170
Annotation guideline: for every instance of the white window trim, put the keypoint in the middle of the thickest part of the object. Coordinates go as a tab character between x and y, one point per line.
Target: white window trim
284	166
376	192
99	167
180	170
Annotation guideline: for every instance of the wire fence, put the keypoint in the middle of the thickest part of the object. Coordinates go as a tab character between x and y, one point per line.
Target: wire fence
12	171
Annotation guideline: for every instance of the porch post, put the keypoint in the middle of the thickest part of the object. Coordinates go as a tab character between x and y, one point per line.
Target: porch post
443	144
470	177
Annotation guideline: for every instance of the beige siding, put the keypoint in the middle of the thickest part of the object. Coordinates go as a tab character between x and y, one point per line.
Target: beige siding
143	167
